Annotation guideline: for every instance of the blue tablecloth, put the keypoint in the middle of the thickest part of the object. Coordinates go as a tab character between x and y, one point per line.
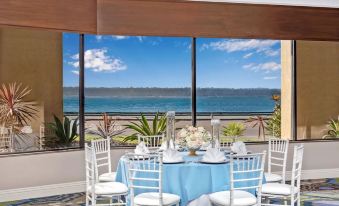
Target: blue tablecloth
189	180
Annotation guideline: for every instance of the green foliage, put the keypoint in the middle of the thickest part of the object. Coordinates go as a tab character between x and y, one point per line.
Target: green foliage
273	127
333	129
66	131
142	127
234	129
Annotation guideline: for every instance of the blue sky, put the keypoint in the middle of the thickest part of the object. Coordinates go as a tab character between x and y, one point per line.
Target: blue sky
122	61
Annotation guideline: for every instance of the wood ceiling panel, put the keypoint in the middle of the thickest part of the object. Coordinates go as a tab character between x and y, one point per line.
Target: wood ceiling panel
173	18
201	19
64	15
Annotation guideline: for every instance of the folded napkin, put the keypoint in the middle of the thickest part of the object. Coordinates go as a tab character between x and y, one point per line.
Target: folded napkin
141	149
216	145
213	155
239	148
163	146
172	155
27	130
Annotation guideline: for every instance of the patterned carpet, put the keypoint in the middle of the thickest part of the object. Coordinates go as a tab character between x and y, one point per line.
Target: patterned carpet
323	192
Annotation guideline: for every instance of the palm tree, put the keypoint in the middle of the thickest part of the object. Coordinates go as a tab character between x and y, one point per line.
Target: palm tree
260	122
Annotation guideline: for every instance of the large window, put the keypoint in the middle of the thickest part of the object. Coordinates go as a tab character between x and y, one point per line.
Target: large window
130	76
239	83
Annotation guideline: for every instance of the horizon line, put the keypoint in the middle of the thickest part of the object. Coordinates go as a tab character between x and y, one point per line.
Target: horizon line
170	87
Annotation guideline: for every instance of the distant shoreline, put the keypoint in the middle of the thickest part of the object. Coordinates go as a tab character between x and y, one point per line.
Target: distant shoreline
169	92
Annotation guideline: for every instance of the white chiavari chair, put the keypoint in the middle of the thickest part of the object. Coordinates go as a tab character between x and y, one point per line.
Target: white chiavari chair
42	137
152	142
145	173
246	175
102	150
6	139
277	157
283	191
225	145
101	193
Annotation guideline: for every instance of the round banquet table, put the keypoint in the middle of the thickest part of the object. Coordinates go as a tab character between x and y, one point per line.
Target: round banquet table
190	180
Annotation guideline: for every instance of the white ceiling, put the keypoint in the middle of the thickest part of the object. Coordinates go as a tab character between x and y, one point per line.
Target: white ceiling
309	3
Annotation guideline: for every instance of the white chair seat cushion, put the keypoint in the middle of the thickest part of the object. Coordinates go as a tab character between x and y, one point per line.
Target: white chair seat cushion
107	177
278	189
152	198
269	177
109	188
241	198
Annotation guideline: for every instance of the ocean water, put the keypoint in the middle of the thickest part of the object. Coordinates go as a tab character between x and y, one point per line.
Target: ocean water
178	104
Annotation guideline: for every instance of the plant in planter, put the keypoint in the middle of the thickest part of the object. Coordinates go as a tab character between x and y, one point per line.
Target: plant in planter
107	128
333	129
65	131
15	111
234	130
142	127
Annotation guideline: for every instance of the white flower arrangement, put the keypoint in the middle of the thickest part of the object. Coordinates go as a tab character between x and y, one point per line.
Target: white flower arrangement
193	137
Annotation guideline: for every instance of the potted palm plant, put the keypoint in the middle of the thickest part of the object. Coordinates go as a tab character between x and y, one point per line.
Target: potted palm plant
234	130
15	110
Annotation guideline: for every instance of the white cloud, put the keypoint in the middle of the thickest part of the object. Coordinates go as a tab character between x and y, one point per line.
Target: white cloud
270	78
236	45
248	55
141	38
76	72
98	37
117	37
248	66
265	67
272	53
99	61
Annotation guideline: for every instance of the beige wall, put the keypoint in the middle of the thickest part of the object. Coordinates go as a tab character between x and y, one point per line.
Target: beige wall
286	89
317	87
34	58
318	84
65	167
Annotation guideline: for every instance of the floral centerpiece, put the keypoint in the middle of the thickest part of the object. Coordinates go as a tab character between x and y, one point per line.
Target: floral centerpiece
193	138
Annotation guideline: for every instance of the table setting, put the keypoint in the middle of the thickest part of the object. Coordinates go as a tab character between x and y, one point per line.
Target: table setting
192	166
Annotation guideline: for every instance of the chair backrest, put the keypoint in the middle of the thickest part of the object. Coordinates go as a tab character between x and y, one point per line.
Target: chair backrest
296	168
102	155
246	173
90	168
152	142
277	155
6	138
145	172
44	132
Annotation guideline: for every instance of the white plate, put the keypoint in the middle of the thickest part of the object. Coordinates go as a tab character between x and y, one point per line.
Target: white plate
207	162
175	162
